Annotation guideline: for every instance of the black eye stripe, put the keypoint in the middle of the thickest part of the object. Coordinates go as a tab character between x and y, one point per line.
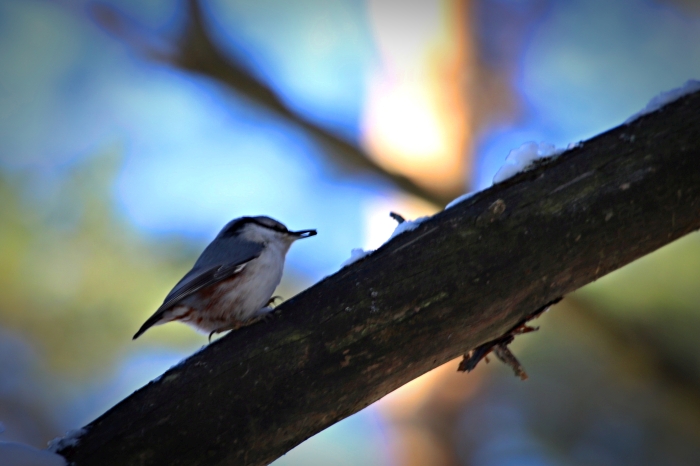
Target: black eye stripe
269	227
275	227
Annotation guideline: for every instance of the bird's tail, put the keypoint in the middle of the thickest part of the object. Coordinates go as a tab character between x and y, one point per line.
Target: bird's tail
153	320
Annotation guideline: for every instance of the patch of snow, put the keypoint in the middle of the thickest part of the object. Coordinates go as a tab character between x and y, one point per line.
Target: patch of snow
358	253
71	439
355	255
19	454
666	98
408	225
520	159
461	198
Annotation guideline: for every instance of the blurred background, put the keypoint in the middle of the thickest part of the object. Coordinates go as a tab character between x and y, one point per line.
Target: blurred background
131	131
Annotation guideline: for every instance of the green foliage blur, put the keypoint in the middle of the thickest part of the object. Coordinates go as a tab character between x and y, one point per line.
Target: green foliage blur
76	279
654	303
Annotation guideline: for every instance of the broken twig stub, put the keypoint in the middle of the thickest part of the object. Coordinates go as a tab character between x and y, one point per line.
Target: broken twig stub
500	349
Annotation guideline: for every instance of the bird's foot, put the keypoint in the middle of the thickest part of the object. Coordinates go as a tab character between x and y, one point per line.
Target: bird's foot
272	300
232	326
263	315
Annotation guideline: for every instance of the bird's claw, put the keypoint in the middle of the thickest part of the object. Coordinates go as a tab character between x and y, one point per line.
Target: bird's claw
272	300
234	326
263	317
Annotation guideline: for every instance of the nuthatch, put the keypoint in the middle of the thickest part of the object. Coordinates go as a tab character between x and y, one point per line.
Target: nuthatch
231	283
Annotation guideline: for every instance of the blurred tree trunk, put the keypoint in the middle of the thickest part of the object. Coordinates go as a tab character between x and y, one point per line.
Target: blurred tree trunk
467	276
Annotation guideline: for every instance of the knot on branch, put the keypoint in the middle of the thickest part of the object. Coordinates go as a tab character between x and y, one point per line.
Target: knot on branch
494	211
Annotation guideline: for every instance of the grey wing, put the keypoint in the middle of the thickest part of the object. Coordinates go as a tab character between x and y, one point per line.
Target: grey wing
218	262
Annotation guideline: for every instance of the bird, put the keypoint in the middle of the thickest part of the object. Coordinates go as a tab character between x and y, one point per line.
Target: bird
232	281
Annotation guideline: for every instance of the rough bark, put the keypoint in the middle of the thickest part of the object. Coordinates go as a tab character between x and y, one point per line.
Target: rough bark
465	277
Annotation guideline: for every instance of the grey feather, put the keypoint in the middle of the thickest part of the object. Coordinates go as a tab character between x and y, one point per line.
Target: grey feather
220	260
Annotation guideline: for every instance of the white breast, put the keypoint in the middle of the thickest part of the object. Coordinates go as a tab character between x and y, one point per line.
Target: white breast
257	282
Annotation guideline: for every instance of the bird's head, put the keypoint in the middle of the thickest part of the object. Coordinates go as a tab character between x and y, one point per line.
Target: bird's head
262	229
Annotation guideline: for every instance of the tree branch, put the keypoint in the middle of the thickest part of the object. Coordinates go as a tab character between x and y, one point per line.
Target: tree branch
465	277
195	51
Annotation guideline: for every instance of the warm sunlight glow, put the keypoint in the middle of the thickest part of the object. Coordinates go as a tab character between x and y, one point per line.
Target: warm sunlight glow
416	121
379	225
412	439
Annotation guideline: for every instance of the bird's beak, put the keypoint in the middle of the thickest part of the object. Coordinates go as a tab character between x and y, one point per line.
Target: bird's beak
303	233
